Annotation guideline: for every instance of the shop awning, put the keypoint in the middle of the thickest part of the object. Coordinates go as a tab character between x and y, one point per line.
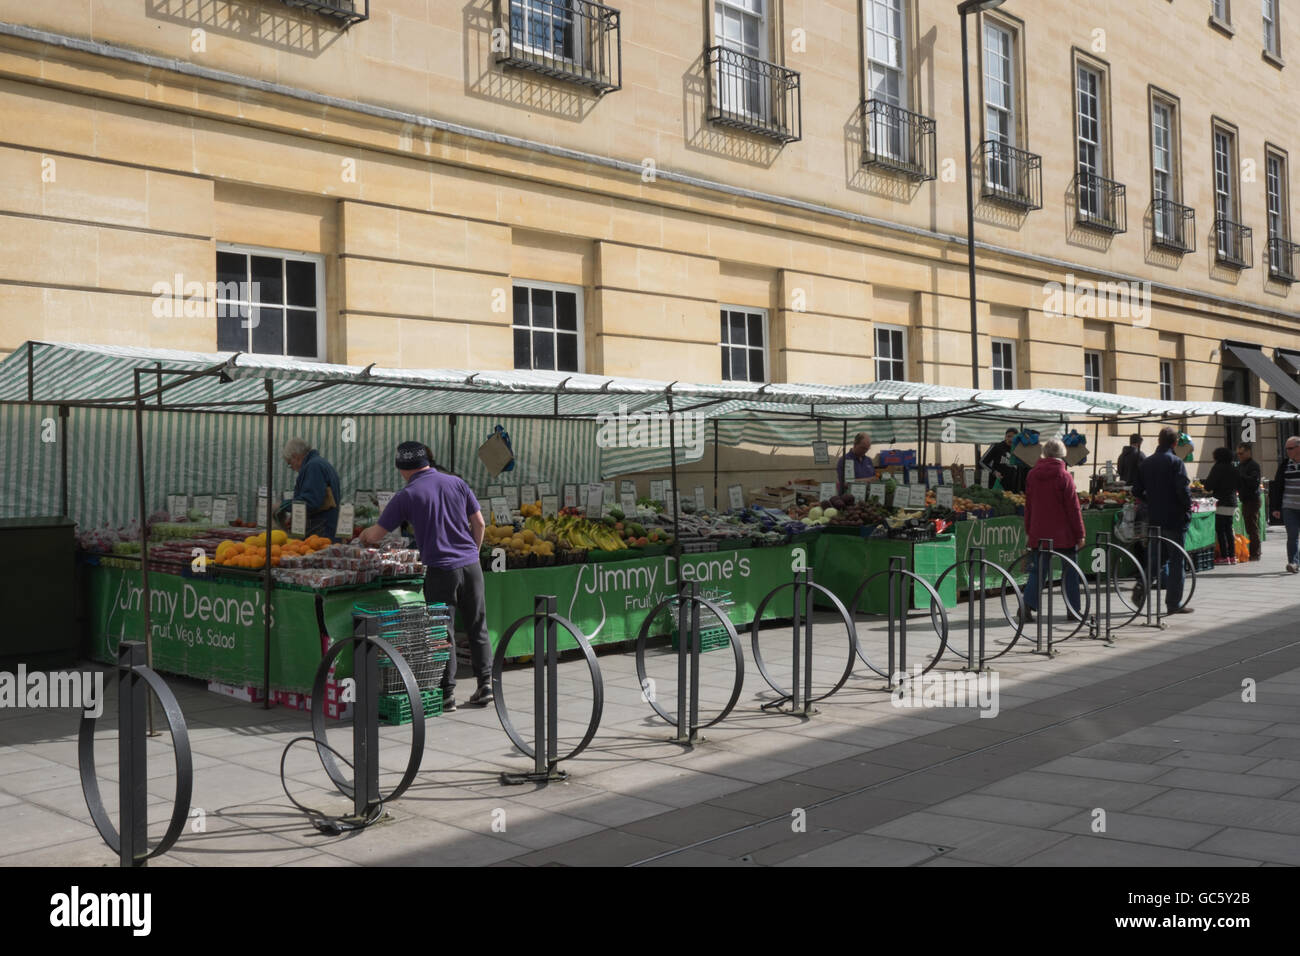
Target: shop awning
1278	380
1289	360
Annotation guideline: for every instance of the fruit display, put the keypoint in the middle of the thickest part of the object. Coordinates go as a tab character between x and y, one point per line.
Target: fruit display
252	552
985	503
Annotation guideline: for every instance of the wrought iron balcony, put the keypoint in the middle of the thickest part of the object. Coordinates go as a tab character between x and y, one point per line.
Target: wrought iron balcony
898	140
1233	243
750	94
577	41
349	11
1100	203
1012	176
1281	259
1173	226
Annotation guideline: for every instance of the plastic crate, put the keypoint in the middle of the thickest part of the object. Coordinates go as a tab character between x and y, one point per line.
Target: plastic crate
711	639
395	709
1202	559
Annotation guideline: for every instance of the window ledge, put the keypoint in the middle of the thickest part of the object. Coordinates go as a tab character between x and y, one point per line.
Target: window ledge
1273	58
1223	26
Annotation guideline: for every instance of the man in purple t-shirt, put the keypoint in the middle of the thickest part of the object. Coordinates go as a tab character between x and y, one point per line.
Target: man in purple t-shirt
448	525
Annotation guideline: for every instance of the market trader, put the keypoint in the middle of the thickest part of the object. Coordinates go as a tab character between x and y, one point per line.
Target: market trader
863	469
449	527
998	462
317	486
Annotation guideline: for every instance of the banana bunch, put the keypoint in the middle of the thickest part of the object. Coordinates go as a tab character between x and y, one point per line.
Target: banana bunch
577	532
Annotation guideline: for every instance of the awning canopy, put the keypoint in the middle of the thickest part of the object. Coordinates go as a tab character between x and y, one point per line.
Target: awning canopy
1290	360
1278	380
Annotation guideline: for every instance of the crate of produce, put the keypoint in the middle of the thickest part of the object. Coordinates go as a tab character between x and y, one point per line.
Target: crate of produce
395	709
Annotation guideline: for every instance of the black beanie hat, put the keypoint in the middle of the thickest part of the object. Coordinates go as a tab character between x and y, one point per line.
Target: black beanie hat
411	456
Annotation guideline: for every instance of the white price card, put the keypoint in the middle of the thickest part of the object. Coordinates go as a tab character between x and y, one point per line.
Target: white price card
736	496
263	510
827	490
512	496
177	505
583	492
595	492
821	453
500	510
529	493
298	523
916	496
494	491
610	491
219	509
877	493
232	506
203	503
699	498
968	477
550	505
570	496
627	485
347	521
627	501
936	475
858	489
544	488
382	498
943	496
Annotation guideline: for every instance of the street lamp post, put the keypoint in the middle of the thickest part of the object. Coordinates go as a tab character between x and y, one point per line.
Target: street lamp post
971	6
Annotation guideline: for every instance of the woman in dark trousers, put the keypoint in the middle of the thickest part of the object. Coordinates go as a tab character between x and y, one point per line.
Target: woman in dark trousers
1223	482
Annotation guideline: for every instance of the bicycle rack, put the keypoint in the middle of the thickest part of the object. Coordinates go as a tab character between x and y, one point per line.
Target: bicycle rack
802	599
1096	629
134	681
687	720
897	611
545	749
1155	575
1046	643
975	560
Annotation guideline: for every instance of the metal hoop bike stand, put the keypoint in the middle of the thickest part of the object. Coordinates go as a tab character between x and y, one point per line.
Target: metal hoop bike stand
687	720
546	623
898	601
975	560
804	588
1045	643
134	681
1154	575
1098	630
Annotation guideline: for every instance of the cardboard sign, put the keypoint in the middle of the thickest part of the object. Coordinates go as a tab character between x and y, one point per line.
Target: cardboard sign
858	489
943	496
298	521
736	496
528	494
203	503
627	501
550	505
699	498
916	496
827	490
821	453
500	510
629	486
219	507
347	521
595	492
570	496
968	477
877	493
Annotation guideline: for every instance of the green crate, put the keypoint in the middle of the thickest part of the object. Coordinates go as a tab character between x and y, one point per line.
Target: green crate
395	709
711	639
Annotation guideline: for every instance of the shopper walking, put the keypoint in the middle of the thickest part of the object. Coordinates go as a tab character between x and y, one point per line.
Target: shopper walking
1161	484
1249	476
1284	500
448	525
1223	482
1052	513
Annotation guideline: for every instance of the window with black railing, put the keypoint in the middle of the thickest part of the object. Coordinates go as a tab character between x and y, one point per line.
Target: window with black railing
349	11
1232	243
1173	226
577	41
753	95
1100	203
1012	176
897	139
1281	259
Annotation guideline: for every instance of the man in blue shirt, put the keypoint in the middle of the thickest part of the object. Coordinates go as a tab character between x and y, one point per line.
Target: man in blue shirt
317	486
1161	483
863	469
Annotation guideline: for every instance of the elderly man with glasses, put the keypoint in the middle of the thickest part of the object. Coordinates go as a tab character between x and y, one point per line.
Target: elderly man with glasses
1284	500
317	487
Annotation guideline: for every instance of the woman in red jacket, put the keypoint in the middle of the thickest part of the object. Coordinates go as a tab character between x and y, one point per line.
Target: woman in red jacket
1052	513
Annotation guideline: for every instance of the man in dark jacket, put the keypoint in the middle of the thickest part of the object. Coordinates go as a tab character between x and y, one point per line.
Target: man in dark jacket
1052	513
1249	474
1162	485
317	486
997	460
1129	459
1284	500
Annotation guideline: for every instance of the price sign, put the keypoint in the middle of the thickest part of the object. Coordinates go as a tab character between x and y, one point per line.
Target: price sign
298	523
916	496
827	490
494	491
699	498
570	496
500	510
858	489
347	521
263	507
877	493
544	488
232	506
610	491
512	496
179	504
821	453
656	489
382	498
943	496
627	501
219	516
736	496
529	493
968	477
595	492
628	486
203	503
583	491
550	505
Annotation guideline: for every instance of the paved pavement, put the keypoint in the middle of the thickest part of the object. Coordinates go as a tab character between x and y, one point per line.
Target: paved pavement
1143	752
